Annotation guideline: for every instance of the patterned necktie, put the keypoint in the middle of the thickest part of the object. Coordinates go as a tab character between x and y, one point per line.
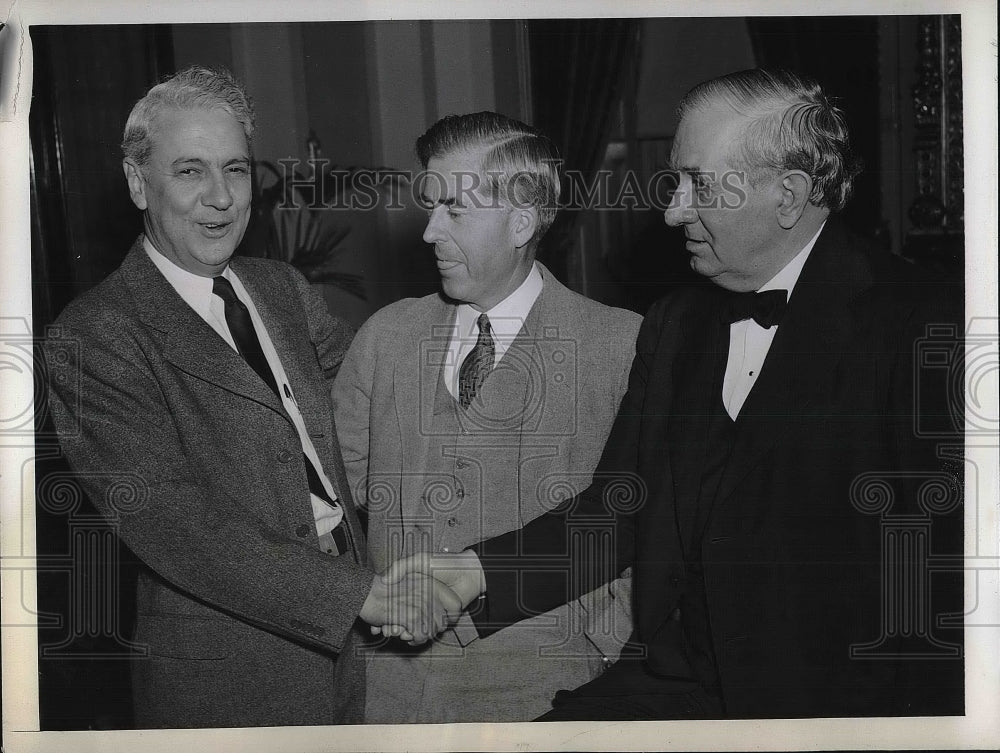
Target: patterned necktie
764	308
477	365
245	336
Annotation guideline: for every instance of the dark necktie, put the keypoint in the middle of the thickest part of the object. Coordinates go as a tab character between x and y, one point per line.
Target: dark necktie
245	336
764	308
477	365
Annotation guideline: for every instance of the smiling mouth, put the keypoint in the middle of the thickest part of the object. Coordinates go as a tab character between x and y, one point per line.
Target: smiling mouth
215	229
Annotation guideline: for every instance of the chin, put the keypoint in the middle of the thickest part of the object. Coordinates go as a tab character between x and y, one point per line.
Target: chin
217	255
454	289
704	268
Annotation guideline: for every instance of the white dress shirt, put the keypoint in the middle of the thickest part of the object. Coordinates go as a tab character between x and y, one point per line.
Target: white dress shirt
506	320
749	342
197	293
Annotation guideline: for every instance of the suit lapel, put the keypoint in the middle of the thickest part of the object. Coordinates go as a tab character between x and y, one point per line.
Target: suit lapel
695	375
188	341
277	304
433	336
801	365
284	324
505	397
532	390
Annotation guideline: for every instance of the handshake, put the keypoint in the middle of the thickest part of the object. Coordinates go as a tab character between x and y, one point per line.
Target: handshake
420	596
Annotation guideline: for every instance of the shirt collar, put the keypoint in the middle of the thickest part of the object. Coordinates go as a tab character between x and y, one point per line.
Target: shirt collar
507	317
194	289
789	274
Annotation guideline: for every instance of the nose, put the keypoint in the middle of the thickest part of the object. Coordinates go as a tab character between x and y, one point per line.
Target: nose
218	194
433	232
681	209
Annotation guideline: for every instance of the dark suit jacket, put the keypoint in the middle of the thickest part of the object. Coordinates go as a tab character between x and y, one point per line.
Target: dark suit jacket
827	462
243	614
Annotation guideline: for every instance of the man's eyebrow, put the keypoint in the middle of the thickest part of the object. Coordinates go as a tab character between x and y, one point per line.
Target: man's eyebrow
450	202
200	161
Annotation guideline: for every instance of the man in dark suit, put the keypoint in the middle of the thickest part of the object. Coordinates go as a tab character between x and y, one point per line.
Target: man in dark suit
195	408
768	418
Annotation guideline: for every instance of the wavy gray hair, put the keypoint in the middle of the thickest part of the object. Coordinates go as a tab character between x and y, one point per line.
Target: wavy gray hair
194	87
792	126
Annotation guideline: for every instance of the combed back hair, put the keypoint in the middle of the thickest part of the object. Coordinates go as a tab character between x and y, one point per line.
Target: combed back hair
793	126
193	88
520	165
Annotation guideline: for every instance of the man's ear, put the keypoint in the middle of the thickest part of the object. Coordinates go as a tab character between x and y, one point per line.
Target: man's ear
794	188
524	221
136	183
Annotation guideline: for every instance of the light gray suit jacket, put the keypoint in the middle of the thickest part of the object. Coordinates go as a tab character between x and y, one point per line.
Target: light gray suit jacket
433	477
242	613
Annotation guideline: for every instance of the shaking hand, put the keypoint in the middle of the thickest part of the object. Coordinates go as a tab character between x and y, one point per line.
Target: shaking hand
412	606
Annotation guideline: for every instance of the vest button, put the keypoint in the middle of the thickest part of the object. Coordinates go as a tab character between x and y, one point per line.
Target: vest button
460	493
284	456
452	522
461	464
302	531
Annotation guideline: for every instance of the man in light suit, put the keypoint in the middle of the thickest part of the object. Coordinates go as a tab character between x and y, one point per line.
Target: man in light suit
194	405
790	501
465	415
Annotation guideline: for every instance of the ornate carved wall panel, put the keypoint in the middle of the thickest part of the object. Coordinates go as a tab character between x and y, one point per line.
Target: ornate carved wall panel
938	212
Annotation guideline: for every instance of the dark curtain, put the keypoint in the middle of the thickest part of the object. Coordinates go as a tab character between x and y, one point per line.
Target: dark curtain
82	224
579	71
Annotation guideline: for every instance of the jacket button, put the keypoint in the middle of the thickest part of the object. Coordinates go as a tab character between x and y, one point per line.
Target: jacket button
302	531
284	456
452	522
460	493
461	464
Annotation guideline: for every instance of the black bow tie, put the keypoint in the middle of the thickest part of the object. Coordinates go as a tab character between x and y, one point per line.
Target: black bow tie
764	308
